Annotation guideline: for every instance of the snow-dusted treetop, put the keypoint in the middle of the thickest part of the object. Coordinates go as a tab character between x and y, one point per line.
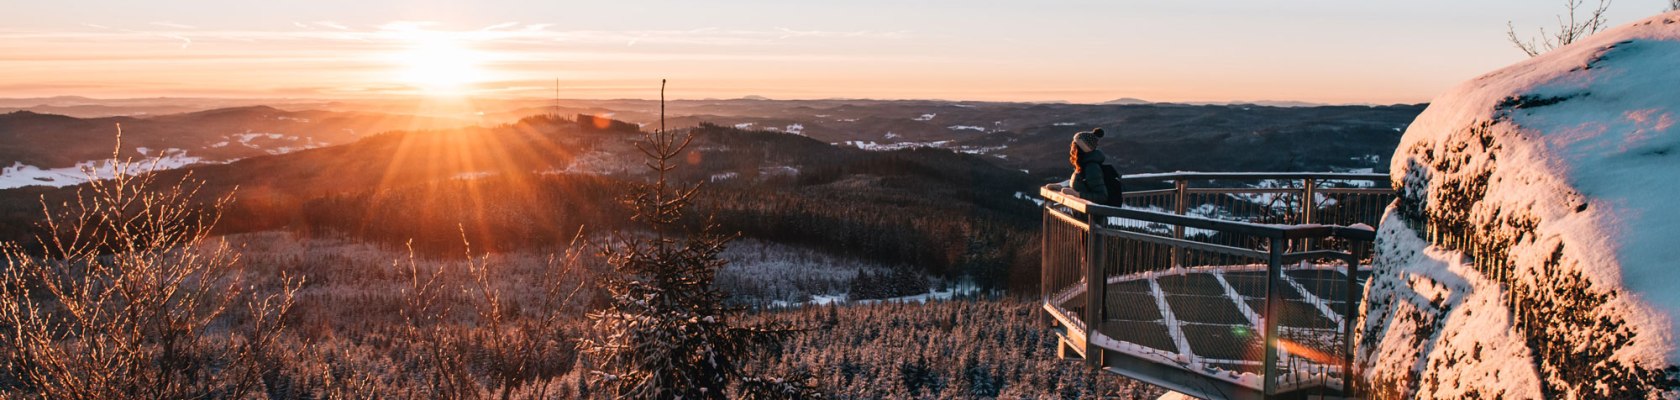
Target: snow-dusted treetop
1547	192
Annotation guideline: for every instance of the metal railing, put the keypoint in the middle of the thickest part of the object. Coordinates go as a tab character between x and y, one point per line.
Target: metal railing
1219	285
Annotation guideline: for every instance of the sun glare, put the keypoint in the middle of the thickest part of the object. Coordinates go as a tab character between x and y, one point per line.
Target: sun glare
439	65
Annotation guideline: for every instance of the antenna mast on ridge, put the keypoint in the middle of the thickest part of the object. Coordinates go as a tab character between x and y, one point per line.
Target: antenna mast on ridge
662	105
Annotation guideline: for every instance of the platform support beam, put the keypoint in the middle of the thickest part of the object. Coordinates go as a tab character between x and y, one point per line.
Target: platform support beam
1309	206
1350	316
1181	203
1274	306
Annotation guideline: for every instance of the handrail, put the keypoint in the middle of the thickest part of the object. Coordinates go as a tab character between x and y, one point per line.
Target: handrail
1278	231
1189	175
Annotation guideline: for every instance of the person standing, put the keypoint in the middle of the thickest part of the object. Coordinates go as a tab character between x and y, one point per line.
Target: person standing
1087	162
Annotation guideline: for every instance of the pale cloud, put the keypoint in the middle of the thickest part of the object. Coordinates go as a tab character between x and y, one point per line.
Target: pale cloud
503	25
168	24
1164	50
531	37
333	25
406	25
325	54
786	33
185	41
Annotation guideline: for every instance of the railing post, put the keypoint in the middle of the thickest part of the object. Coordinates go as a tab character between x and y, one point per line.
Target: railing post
1095	283
1179	206
1274	282
1309	204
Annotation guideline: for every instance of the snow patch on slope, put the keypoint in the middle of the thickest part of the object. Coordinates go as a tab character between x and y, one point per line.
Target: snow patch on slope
871	145
20	174
271	143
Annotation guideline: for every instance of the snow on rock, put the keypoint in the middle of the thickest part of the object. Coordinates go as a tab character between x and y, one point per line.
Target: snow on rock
926	117
1448	321
1534	233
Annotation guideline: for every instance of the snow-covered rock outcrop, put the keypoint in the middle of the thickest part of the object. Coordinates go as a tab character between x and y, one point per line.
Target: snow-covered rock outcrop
1535	248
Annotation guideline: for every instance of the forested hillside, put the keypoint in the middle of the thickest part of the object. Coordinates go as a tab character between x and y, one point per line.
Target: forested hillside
533	184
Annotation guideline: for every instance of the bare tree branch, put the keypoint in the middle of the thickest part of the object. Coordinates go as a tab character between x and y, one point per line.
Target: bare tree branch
1571	28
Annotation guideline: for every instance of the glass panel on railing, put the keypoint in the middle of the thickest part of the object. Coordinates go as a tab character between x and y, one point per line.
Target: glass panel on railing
1342	206
1312	333
1063	255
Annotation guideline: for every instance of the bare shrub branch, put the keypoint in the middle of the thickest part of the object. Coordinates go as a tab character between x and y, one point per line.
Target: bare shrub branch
1571	27
122	297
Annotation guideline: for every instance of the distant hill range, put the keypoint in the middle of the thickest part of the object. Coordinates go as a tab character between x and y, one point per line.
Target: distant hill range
1125	101
41	148
47	149
1033	136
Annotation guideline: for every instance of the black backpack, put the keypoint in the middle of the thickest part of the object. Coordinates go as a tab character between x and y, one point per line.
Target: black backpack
1111	179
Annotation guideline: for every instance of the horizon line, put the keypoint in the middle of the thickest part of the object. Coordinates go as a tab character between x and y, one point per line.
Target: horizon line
1127	100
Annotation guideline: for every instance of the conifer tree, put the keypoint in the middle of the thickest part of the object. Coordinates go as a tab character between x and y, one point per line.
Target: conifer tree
666	332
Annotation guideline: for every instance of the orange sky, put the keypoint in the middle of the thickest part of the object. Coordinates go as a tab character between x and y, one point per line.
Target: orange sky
1320	51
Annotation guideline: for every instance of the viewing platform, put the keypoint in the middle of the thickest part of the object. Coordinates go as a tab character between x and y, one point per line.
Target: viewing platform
1215	285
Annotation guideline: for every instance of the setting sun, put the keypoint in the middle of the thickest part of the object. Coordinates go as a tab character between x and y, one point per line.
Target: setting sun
436	64
734	199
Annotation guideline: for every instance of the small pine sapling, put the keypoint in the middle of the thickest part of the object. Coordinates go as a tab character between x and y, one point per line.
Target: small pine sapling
666	332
